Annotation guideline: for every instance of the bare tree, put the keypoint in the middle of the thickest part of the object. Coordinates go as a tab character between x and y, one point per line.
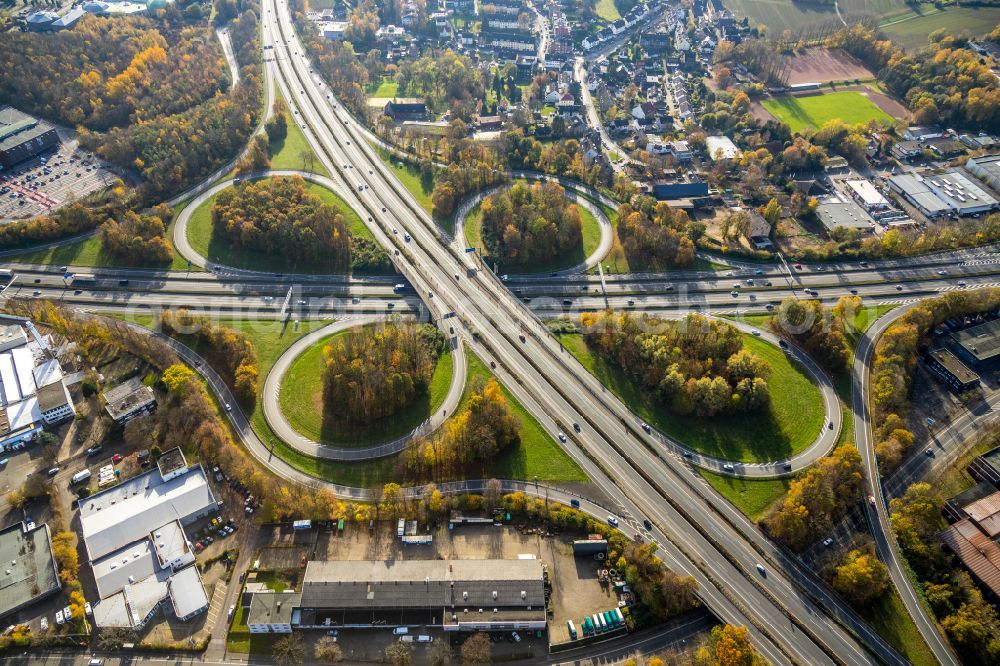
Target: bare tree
328	651
476	649
290	650
399	654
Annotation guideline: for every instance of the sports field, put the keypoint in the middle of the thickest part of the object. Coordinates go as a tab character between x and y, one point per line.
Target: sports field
800	113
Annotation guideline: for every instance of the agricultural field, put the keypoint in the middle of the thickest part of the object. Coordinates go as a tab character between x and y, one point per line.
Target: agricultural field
911	30
800	113
781	15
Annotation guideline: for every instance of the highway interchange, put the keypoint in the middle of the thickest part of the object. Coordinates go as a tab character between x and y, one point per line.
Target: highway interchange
792	615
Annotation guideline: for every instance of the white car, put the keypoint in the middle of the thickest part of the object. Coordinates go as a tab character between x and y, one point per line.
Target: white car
755	332
60	620
612	521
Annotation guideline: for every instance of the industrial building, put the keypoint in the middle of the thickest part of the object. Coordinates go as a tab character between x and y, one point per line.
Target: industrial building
834	211
978	346
867	195
721	148
951	370
129	400
271	612
134	538
31	573
949	193
23	136
972	541
456	595
33	392
986	168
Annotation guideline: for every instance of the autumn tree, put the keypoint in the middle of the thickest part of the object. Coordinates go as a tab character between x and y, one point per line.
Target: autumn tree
652	235
861	578
373	372
819	329
695	365
817	497
138	239
473	436
529	225
729	645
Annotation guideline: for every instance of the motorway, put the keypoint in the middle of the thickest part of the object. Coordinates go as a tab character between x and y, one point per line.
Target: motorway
792	615
786	622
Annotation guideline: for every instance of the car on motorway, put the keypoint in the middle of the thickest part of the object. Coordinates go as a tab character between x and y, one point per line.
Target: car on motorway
645	426
645	523
575	503
228	407
942	272
562	437
729	467
576	426
612	521
734	294
899	287
961	283
755	332
761	570
631	302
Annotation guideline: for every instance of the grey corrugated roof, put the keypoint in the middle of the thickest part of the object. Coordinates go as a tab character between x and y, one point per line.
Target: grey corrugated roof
423	583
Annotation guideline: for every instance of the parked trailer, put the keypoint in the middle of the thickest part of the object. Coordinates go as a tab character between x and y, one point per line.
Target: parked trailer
604	622
588	626
621	618
572	629
418	540
302	525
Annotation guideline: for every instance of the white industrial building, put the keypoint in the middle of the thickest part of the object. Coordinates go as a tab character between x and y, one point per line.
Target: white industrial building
949	193
721	148
986	168
135	541
33	392
867	195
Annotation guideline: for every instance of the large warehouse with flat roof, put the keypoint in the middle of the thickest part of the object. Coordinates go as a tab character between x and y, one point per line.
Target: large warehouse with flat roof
457	595
30	569
986	168
936	194
979	345
23	136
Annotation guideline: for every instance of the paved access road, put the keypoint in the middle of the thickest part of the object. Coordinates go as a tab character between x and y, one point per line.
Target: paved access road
283	429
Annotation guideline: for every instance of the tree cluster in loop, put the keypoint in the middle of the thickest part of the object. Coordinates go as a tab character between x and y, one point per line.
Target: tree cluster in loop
529	225
695	365
373	372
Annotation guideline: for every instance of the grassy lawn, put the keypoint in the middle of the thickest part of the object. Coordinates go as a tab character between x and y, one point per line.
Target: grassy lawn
889	617
538	454
606	10
386	88
301	400
754	497
813	111
591	239
293	151
912	29
417	183
87	252
795	417
201	235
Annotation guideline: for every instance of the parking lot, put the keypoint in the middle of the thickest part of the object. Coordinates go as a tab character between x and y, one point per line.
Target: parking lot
52	179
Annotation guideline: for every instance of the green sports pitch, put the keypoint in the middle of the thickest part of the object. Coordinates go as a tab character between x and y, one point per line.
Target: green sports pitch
815	110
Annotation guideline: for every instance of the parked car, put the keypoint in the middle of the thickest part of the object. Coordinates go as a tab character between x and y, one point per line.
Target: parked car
60	620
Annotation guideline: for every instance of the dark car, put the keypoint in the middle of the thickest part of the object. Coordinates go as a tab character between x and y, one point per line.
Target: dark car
645	523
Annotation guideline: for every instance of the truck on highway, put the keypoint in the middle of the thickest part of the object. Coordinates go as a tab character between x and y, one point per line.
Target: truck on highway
82	279
403	288
80	477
